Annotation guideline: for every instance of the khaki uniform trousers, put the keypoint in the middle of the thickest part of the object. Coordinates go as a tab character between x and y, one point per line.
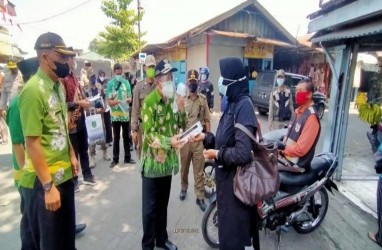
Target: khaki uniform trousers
194	152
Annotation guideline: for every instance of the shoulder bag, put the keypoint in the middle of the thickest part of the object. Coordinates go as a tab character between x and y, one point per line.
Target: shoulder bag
258	179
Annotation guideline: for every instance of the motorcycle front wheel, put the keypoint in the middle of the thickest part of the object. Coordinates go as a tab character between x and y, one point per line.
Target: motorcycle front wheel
210	225
316	212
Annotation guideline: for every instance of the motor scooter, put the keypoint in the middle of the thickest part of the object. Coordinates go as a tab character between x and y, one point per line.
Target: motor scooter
301	202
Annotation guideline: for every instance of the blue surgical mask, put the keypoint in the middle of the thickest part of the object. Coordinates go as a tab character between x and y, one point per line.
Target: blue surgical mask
280	81
118	78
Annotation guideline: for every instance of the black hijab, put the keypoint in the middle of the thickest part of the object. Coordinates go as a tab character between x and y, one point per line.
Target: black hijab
232	68
28	68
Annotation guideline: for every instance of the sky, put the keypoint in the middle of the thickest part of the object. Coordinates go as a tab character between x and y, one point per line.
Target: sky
82	20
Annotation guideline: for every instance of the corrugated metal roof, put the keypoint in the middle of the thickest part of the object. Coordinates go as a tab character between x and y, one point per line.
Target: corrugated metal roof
274	42
208	24
246	35
372	28
232	34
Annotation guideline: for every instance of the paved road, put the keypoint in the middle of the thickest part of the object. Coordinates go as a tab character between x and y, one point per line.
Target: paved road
112	211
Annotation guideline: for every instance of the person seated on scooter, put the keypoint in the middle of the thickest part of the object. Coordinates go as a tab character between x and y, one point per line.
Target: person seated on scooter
303	131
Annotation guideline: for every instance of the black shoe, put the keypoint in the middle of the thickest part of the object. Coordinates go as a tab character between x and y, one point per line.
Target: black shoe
168	246
131	161
201	204
113	163
80	228
89	181
182	195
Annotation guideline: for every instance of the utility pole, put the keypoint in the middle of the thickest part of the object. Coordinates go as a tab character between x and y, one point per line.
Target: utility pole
139	33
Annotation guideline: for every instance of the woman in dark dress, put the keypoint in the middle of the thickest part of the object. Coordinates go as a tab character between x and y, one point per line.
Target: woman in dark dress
237	222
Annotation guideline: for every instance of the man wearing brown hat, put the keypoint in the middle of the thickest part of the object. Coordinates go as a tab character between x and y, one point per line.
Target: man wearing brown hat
197	110
141	90
46	181
280	103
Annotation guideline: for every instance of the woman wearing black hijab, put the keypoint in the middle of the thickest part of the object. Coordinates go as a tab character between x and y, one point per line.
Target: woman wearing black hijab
237	222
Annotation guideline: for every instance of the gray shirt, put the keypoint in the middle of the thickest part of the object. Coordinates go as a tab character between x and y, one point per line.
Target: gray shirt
10	88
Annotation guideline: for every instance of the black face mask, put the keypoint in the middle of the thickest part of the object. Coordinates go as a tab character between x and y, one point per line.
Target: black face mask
193	87
62	69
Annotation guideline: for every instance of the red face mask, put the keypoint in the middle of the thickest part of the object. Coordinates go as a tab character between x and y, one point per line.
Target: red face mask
301	97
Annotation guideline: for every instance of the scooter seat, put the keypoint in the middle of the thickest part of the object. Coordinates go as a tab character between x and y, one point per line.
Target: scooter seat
317	170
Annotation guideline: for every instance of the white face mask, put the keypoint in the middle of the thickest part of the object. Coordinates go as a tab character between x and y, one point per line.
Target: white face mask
280	81
204	77
223	88
168	89
101	78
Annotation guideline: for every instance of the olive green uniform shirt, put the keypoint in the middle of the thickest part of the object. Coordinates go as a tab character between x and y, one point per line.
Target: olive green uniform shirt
141	90
196	110
160	123
43	113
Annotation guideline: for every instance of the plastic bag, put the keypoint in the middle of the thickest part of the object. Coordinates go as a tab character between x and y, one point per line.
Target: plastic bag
94	127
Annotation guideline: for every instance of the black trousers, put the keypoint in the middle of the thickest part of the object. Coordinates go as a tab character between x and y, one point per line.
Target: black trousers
49	230
25	230
108	131
155	196
80	145
125	136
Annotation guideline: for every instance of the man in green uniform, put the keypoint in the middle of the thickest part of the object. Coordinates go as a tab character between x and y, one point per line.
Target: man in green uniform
46	180
159	157
141	90
197	111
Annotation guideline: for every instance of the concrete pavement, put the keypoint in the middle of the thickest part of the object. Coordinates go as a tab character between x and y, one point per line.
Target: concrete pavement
112	211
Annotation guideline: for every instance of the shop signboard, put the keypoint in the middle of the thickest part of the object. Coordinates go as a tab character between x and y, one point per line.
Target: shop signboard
259	50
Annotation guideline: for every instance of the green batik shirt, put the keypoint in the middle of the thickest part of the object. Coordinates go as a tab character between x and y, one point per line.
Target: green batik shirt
120	112
16	132
43	114
160	123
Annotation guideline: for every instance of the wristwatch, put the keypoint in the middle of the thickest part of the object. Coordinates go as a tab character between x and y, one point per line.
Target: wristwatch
48	186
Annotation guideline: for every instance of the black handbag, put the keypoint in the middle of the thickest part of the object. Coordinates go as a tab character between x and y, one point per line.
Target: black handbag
260	178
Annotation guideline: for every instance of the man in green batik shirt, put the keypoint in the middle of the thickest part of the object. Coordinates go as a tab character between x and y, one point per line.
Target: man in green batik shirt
119	97
161	123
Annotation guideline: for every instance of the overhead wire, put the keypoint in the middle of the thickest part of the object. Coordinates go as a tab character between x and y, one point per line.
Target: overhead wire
55	15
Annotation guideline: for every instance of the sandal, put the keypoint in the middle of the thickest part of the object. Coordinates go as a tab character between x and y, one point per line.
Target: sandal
372	238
